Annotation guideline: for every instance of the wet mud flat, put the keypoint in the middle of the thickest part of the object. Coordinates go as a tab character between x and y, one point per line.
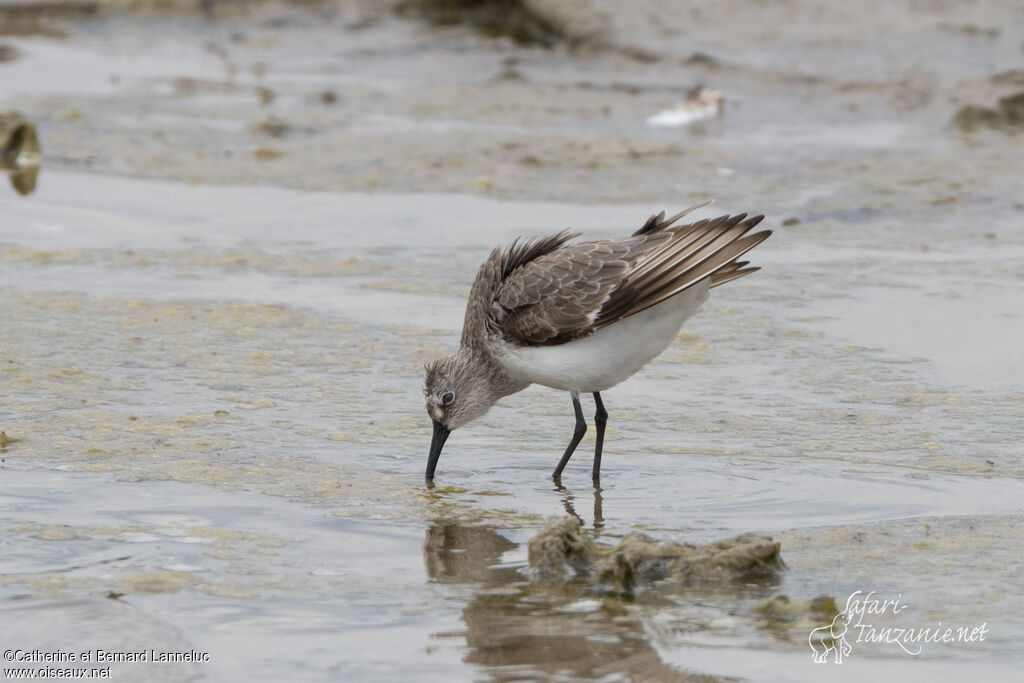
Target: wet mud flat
212	429
221	429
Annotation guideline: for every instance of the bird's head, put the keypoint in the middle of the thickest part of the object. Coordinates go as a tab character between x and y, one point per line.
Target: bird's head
456	390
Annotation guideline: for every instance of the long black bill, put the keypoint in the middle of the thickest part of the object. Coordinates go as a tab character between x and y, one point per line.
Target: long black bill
436	444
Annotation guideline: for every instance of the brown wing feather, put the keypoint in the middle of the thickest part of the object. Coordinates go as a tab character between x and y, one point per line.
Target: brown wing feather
685	276
657	222
653	275
556	297
696	251
546	292
721	278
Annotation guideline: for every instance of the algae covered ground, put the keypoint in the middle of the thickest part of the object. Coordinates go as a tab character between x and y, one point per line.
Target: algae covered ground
254	222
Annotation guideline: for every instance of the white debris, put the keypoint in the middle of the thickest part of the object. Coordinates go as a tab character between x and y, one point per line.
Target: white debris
701	103
580	607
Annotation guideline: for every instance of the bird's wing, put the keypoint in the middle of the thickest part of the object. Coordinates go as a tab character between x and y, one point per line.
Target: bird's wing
705	249
556	297
548	292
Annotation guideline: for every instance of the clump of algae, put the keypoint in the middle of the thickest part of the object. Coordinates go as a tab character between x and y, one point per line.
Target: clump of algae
563	551
5	440
19	151
1006	116
784	616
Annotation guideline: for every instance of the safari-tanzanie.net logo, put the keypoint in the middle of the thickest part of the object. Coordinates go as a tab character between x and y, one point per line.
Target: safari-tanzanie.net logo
866	619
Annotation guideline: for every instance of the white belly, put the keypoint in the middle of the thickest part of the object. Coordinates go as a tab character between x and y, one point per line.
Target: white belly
609	356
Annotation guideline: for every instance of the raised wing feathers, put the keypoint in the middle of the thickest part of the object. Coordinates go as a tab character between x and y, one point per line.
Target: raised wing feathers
521	253
657	222
695	251
550	292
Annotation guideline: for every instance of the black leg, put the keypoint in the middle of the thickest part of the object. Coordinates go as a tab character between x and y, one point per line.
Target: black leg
577	434
600	419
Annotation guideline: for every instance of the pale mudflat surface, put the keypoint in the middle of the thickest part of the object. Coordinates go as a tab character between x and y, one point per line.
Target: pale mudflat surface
211	377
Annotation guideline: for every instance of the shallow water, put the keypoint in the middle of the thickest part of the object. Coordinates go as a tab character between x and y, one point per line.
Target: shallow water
215	436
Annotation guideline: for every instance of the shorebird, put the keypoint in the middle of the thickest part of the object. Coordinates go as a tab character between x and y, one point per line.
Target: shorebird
580	316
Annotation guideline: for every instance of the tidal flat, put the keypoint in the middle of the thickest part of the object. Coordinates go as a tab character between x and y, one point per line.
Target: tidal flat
217	301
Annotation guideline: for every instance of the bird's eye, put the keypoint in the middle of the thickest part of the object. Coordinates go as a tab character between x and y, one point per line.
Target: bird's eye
448	397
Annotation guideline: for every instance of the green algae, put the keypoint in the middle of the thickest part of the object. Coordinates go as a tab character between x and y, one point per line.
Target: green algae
787	619
6	440
1007	116
562	550
525	22
19	151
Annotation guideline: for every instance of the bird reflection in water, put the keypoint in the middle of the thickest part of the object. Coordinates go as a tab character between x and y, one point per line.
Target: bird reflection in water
522	630
526	623
570	509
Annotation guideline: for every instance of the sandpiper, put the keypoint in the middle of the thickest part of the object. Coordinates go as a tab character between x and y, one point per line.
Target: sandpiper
580	317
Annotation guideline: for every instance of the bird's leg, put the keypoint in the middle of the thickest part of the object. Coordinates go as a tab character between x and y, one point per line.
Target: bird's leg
600	419
577	434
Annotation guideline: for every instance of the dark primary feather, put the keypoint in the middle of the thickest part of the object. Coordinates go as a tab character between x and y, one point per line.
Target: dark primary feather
696	251
547	292
521	253
657	222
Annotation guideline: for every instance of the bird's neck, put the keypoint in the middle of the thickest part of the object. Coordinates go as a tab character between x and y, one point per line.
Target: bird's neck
499	382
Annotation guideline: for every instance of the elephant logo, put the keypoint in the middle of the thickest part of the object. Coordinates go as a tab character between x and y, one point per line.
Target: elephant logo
831	639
